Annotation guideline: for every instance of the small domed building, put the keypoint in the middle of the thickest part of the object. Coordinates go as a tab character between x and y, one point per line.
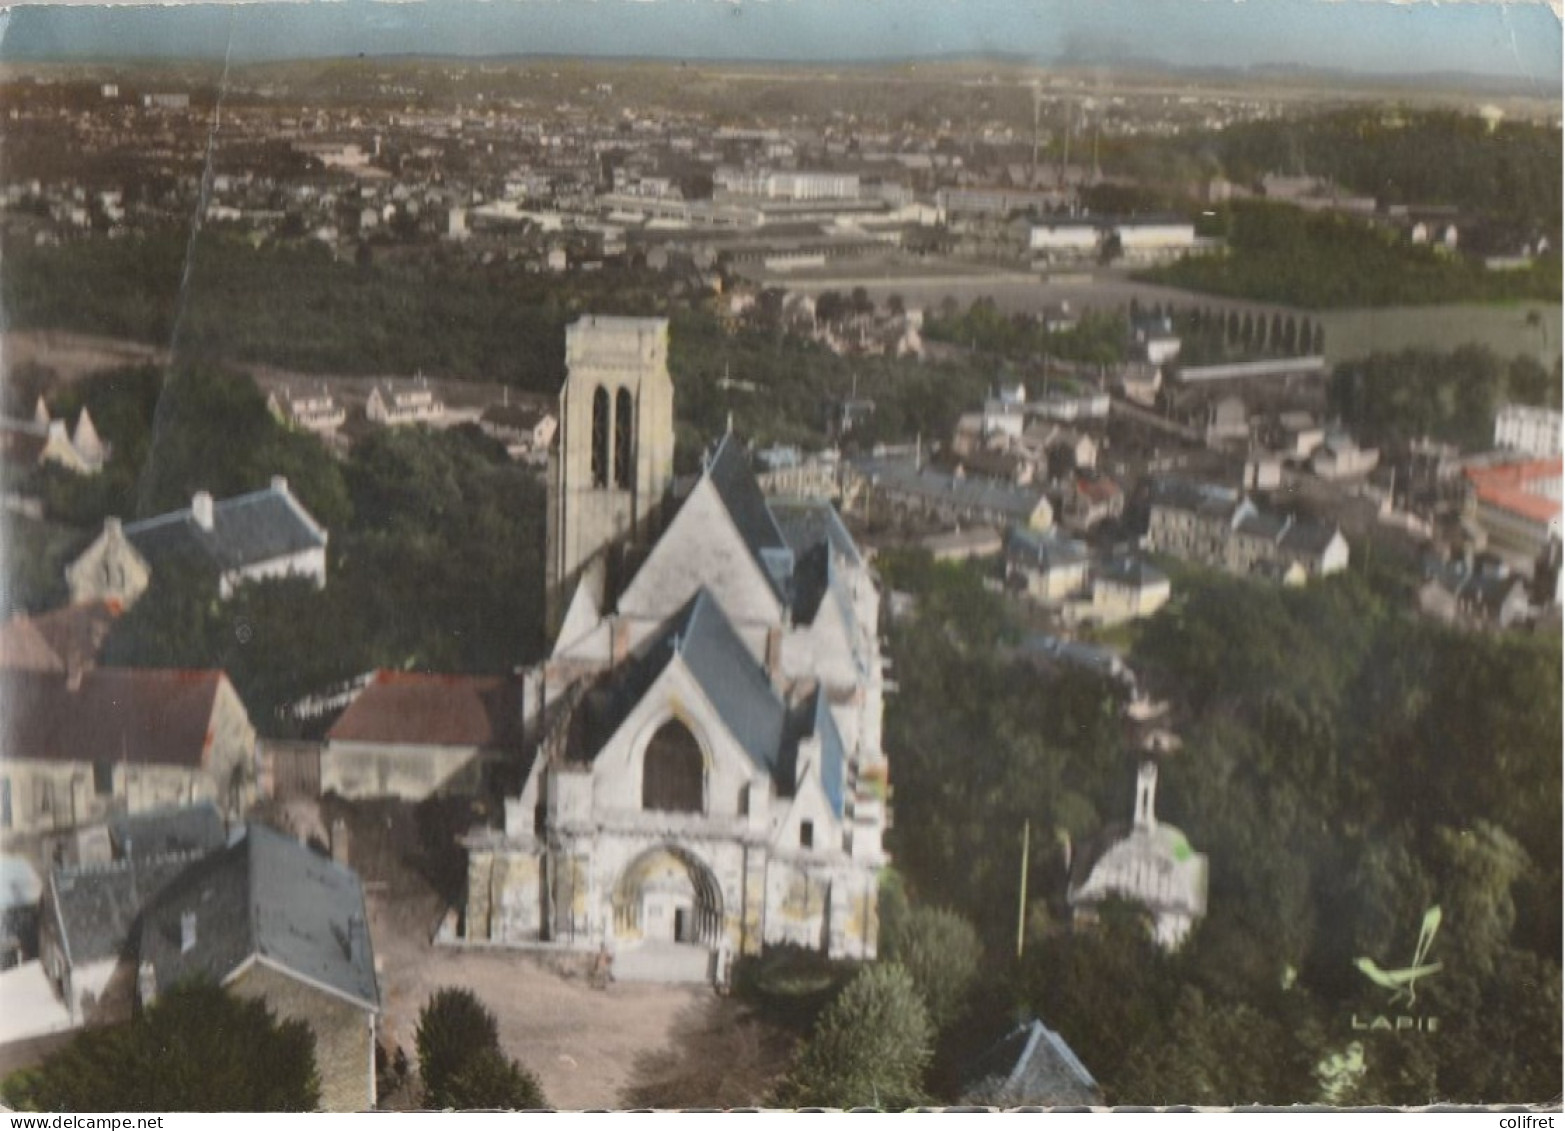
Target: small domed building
1152	864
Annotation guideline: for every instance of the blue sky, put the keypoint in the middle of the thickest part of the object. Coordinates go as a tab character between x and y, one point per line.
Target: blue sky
1520	40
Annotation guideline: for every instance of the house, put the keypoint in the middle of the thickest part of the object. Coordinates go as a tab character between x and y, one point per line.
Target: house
1466	591
43	441
1227	419
259	536
267	917
1219	527
903	489
82	746
1152	864
316	411
962	545
1090	499
1298	435
1031	1066
526	431
704	773
413	736
1045	567
398	403
1517	503
1127	588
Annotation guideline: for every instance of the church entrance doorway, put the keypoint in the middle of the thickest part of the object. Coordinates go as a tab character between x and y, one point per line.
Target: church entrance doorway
668	917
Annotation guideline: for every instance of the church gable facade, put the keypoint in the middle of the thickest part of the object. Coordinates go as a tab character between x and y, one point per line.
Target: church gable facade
704	773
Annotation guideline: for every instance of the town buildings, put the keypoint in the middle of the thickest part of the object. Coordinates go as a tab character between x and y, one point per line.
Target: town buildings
1220	527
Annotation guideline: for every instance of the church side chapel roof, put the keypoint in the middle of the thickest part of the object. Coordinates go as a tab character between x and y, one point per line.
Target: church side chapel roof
738	688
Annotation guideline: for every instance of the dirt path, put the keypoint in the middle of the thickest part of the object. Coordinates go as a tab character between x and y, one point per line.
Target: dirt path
584	1045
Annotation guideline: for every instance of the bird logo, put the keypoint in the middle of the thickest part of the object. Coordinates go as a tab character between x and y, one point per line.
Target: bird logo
1403	984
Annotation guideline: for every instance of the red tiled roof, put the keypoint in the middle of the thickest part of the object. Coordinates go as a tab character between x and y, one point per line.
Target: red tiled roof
413	709
144	716
1506	486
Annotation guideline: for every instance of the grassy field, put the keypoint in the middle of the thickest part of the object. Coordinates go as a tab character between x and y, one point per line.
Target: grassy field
1508	329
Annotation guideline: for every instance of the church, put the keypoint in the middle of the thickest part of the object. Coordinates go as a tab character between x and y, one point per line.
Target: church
703	774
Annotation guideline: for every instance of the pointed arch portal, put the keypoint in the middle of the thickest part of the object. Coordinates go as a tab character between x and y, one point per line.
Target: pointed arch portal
668	895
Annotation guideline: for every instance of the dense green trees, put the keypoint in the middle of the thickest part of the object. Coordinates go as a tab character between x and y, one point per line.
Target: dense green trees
197	1048
1344	768
870	1047
941	953
1097	338
1391	397
1280	253
460	1060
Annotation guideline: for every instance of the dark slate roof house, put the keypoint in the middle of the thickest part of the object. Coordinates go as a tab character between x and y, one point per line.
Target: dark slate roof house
263	533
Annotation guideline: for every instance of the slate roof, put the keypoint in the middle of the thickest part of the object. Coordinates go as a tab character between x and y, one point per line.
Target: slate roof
1131	571
99	907
737	687
414	709
143	716
817	536
1017	503
1046	551
729	471
270	897
247	530
1309	538
1199	498
1031	1065
164	832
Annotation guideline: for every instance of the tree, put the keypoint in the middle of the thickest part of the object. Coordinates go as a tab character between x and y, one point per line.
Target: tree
453	1029
197	1048
940	951
490	1080
869	1049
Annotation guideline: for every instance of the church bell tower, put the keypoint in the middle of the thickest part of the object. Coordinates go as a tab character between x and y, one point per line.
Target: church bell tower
615	457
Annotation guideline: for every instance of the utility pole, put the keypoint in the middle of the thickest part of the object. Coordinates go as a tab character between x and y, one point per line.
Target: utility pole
1021	907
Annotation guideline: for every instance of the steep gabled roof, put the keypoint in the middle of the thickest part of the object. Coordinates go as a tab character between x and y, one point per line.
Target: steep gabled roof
738	688
1031	1065
730	473
99	907
267	897
702	638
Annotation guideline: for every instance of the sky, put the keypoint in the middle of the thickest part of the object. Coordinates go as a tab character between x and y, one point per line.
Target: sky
1516	40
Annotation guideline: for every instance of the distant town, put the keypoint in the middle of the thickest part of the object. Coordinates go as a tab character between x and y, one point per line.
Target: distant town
554	583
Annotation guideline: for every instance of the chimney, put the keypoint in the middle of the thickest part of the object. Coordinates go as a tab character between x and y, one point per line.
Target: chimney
187	932
339	841
201	509
280	484
112	526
